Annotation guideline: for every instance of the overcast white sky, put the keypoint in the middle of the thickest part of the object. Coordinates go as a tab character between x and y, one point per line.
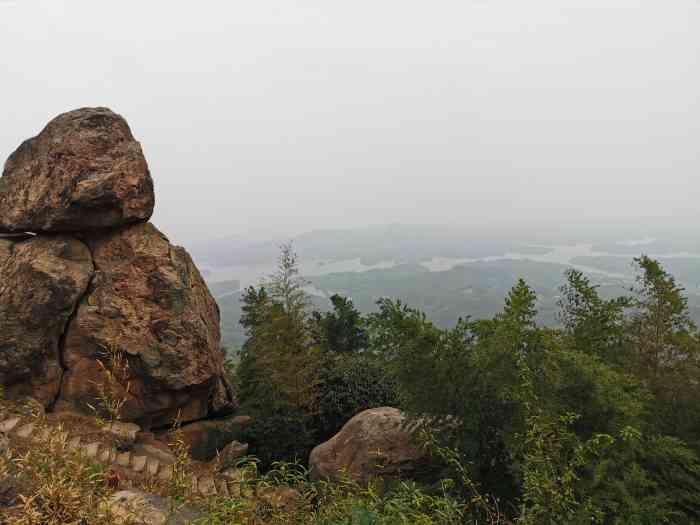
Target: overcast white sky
261	117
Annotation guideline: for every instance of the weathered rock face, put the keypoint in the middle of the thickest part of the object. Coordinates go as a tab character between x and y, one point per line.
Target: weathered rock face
5	249
84	171
41	281
373	443
148	303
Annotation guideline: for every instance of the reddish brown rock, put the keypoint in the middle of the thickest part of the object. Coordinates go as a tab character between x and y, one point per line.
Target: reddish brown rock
41	281
149	306
84	171
373	443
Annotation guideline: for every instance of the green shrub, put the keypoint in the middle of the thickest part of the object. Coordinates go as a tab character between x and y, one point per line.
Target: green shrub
347	385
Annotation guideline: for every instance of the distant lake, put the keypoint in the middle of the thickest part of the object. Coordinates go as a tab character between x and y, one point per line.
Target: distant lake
560	254
252	274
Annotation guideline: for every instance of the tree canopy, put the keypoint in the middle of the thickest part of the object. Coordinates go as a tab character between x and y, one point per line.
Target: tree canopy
596	420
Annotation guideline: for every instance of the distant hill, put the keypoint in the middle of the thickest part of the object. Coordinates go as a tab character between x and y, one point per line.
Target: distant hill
473	289
476	287
224	288
655	247
686	270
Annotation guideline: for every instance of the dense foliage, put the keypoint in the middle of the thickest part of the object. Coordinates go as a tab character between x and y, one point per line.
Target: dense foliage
303	374
594	421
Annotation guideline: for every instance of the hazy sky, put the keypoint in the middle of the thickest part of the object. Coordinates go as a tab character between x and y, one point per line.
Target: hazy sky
261	117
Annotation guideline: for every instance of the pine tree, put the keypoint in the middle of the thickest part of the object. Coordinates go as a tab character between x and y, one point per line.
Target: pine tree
663	350
278	363
594	325
341	330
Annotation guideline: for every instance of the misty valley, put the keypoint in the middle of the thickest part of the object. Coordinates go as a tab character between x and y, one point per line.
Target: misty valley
446	274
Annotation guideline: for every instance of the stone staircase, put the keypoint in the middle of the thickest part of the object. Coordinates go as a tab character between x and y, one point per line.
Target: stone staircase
18	428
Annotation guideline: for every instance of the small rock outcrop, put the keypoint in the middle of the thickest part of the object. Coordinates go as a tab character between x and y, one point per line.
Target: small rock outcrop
96	303
373	443
42	279
84	171
136	507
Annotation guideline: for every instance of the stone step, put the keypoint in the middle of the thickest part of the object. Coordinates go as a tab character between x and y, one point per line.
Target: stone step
108	455
91	450
146	449
152	466
124	459
222	488
166	472
206	486
74	443
9	424
138	463
26	431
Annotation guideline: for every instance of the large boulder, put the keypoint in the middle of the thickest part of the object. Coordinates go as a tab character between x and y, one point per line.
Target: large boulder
84	171
42	279
373	443
149	312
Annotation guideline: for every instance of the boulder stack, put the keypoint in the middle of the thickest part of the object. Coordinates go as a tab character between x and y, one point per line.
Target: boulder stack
95	302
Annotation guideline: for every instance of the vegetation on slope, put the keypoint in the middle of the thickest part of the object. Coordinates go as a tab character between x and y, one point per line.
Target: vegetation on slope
597	421
45	481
